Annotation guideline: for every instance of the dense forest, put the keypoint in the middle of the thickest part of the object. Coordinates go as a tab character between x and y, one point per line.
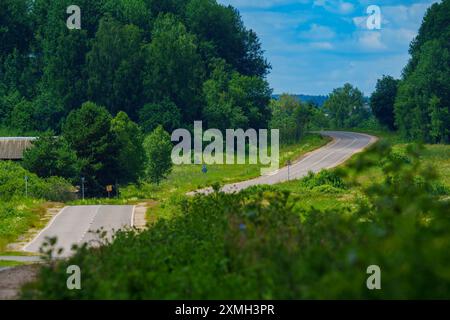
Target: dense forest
419	104
176	60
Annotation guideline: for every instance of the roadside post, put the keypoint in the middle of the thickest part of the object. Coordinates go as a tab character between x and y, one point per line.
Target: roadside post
289	169
26	186
82	188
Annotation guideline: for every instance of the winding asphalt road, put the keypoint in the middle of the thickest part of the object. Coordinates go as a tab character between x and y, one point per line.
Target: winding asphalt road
77	225
343	146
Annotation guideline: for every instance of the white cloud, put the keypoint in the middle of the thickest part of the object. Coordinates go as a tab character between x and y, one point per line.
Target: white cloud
371	40
322	45
318	32
335	6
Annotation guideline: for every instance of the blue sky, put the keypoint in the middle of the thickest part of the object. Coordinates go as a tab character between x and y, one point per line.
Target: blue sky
317	45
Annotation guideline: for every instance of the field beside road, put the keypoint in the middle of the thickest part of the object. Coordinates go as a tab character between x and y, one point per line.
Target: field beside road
306	239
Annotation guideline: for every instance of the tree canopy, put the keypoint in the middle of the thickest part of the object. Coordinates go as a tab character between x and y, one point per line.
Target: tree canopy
422	106
128	54
383	99
345	107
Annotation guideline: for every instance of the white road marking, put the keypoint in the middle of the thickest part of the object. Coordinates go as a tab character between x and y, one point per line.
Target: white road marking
45	229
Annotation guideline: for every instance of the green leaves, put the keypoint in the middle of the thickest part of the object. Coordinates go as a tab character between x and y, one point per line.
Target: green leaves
346	107
51	156
423	100
88	132
164	113
127	55
234	100
158	148
131	158
383	99
291	117
173	67
115	67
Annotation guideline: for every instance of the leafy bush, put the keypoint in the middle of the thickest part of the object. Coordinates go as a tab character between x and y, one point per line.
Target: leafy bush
52	156
12	184
324	177
395	158
57	189
158	148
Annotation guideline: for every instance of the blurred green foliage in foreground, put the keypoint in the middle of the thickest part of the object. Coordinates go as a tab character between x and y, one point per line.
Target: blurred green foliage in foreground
259	245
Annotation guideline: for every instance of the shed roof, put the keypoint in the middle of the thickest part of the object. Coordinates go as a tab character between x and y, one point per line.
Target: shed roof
12	148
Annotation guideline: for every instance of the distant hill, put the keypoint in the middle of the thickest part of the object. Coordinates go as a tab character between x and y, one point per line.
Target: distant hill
319	100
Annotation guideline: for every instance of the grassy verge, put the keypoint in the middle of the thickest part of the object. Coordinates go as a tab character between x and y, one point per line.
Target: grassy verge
17	217
185	178
10	263
20	216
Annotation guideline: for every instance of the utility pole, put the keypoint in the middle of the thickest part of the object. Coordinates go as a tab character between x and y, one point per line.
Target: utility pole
289	169
82	188
26	186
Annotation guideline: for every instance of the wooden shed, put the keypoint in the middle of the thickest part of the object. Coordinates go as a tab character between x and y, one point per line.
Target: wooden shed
12	148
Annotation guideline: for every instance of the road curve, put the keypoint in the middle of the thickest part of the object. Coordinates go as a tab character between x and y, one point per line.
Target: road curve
343	146
77	225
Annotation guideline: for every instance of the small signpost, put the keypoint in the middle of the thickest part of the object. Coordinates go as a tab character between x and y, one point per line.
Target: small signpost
204	169
109	189
82	188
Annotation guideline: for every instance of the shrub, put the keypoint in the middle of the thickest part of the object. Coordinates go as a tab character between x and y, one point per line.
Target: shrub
12	184
158	148
324	177
57	189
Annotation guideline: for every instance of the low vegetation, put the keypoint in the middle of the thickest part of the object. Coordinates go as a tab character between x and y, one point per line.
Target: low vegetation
260	244
22	205
17	217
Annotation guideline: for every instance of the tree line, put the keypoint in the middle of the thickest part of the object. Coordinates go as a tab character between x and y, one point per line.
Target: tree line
418	104
163	62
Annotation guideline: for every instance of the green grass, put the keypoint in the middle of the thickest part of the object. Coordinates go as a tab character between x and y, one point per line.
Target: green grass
438	156
17	217
186	178
10	263
16	253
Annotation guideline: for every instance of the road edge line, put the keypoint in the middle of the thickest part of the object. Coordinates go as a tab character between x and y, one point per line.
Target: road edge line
133	215
46	227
